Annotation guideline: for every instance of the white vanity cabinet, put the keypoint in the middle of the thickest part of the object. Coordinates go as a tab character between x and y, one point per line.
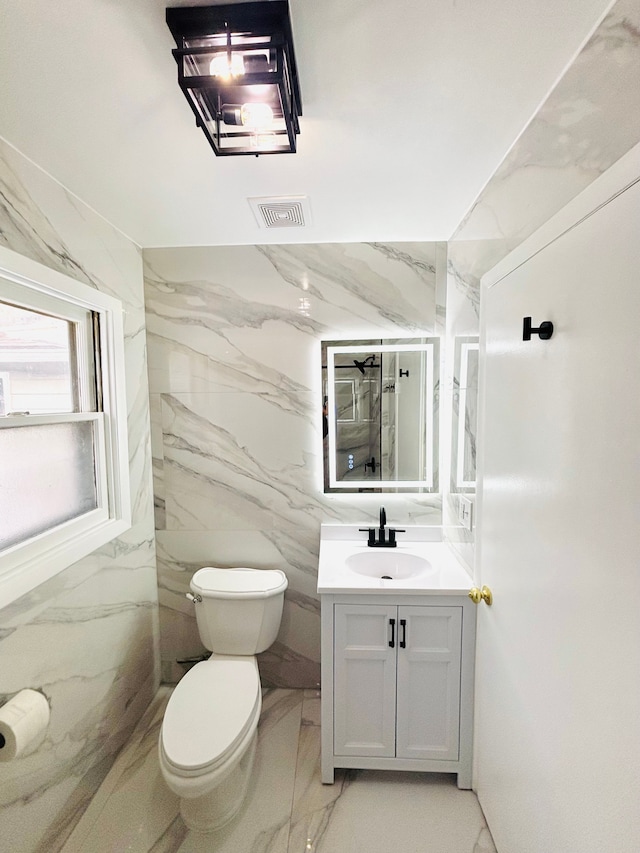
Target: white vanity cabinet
397	683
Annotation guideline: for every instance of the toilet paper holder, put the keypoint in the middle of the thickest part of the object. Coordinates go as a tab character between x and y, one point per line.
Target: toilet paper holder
23	724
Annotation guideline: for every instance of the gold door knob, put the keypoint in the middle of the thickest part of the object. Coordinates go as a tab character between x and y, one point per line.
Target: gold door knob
477	595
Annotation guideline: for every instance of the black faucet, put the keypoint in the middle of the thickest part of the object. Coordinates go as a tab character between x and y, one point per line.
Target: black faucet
381	541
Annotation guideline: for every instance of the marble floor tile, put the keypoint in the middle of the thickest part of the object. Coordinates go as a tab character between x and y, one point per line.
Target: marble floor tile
263	823
413	812
313	802
133	808
311	708
287	809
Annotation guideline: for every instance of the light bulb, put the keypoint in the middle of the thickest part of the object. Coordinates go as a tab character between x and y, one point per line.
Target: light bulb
251	116
225	66
256	116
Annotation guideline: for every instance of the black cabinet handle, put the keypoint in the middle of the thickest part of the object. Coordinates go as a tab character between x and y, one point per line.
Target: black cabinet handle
403	641
392	641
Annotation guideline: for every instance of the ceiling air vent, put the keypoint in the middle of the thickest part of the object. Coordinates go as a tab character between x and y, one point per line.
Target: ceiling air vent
281	211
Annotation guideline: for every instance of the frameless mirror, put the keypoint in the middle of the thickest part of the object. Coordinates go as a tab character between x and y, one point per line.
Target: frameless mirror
380	401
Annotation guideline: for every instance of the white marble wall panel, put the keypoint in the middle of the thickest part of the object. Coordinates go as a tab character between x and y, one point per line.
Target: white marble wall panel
88	637
589	120
234	364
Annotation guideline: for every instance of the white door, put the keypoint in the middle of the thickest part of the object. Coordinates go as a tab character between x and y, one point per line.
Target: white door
428	708
558	663
364	693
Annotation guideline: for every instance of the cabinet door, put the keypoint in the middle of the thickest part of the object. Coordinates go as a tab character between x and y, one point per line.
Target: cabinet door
364	680
428	706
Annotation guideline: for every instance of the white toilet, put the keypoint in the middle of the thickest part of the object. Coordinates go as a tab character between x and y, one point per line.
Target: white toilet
208	737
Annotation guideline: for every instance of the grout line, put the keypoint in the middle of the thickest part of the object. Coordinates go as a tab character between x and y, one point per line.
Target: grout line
295	776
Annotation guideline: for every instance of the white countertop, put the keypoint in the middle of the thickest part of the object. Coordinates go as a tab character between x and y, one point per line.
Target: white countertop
444	574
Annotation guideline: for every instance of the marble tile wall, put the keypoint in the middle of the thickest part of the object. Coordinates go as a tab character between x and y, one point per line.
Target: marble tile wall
234	370
589	120
87	638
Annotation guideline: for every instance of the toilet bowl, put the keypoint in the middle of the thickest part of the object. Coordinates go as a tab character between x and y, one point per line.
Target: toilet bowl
208	738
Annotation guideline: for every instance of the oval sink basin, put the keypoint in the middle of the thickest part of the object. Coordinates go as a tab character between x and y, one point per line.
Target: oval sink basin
391	565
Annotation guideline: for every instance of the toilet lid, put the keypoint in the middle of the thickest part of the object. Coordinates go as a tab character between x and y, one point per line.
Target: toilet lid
238	583
209	712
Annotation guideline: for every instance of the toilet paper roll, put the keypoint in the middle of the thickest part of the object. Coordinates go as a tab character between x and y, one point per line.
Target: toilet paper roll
23	723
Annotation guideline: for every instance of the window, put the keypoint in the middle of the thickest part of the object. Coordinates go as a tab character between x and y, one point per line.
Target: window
64	486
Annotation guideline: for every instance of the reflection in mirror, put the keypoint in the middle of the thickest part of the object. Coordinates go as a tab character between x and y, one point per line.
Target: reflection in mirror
379	414
465	413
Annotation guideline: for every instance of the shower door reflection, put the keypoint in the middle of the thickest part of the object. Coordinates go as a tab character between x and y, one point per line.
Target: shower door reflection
358	417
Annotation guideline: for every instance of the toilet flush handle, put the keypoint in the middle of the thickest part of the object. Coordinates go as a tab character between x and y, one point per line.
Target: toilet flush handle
194	598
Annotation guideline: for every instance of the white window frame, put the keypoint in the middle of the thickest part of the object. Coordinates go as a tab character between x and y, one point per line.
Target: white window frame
28	564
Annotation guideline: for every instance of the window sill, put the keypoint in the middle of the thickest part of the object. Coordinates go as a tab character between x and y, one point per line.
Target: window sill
20	572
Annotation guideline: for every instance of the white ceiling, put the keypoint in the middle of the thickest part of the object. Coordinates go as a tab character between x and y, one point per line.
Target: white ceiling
408	108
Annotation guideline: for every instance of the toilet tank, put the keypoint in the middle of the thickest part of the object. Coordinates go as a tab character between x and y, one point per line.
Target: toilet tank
240	610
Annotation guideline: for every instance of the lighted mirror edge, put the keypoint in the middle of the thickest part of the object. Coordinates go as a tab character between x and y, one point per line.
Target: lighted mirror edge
331	407
334	483
465	348
397	485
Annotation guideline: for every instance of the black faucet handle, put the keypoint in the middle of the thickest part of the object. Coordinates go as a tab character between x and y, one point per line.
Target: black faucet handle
372	534
383	517
392	536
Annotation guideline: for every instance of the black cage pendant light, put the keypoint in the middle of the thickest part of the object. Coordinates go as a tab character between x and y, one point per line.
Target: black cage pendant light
237	69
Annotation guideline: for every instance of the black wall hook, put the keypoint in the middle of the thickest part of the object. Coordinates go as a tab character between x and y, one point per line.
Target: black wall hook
544	330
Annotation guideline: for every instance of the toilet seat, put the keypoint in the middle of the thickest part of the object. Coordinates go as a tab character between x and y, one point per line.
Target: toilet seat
210	713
